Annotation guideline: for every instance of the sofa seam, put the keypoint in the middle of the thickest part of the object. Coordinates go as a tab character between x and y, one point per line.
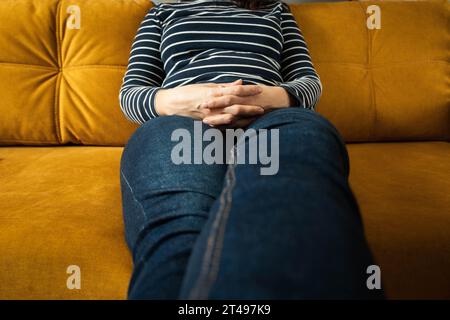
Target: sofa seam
56	108
98	66
25	140
57	68
28	66
120	66
370	73
372	85
384	64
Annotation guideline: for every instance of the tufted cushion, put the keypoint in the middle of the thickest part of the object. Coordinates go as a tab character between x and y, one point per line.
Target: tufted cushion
60	85
94	60
28	72
382	84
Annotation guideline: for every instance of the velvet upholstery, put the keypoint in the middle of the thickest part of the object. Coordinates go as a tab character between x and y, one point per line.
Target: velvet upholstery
386	89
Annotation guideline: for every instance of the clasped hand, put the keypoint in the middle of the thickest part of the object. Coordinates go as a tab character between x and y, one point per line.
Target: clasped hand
220	104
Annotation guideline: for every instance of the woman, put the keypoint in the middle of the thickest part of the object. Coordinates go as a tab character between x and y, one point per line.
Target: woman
214	231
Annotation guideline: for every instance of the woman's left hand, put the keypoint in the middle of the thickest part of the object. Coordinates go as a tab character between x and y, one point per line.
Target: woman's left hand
231	110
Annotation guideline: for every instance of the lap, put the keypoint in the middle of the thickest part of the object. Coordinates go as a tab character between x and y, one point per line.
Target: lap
148	158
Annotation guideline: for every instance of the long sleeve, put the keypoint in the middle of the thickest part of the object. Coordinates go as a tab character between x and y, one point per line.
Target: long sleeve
145	72
299	76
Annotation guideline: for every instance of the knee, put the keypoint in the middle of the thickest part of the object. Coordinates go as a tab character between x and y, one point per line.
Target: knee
152	140
305	134
151	132
296	122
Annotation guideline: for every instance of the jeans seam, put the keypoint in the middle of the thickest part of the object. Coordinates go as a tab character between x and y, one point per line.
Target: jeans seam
211	258
215	261
145	217
132	194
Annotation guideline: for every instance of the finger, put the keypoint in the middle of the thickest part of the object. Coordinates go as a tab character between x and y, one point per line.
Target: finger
206	112
219	119
236	109
236	90
211	112
240	90
244	110
192	114
221	102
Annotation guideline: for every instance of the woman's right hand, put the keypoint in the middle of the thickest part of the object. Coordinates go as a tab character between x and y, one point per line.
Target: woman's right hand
186	100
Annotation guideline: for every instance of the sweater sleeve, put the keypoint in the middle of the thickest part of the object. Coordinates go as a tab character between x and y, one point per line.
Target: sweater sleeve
145	71
299	76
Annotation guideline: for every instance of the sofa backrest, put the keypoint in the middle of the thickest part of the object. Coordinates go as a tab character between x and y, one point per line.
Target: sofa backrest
62	64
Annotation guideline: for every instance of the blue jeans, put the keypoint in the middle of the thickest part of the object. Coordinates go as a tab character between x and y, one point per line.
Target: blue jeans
219	231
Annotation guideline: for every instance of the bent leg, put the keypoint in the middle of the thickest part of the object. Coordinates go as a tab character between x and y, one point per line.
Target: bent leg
296	234
164	205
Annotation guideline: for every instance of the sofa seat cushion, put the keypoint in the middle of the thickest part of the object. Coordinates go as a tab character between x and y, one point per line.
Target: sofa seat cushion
61	206
403	190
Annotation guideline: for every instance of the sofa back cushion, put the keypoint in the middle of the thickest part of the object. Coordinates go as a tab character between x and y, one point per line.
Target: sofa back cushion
61	67
382	84
62	64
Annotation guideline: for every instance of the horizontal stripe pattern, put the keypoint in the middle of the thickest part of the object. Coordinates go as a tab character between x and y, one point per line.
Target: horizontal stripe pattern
216	41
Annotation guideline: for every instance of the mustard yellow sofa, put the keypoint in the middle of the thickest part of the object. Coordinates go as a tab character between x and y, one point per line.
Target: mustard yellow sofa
62	135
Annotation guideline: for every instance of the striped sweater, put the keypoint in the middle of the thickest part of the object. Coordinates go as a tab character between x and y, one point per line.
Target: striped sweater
216	41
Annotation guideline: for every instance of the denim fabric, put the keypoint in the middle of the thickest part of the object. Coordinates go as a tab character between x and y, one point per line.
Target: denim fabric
227	232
